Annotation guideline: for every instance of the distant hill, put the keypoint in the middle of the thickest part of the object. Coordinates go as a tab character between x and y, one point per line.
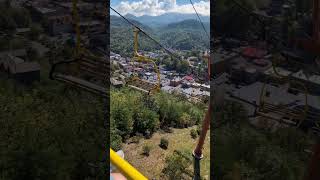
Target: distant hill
164	19
121	36
183	35
189	24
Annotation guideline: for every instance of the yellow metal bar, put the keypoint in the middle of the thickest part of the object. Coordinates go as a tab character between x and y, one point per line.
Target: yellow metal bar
125	168
141	58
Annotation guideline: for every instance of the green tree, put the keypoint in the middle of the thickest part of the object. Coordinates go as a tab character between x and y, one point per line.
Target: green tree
32	54
21	17
123	120
177	167
184	120
145	120
164	143
183	67
193	133
47	136
35	31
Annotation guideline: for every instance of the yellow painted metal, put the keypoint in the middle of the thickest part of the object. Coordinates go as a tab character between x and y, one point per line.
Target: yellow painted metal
125	168
141	58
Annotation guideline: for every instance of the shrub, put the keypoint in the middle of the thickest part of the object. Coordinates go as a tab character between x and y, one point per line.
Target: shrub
135	139
196	115
198	130
148	134
35	32
145	120
177	167
146	150
116	142
193	133
164	143
32	54
184	120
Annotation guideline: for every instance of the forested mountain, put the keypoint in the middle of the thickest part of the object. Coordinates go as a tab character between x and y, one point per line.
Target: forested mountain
165	19
184	35
121	36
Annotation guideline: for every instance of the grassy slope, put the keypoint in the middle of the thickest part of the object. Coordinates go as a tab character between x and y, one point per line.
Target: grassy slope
152	166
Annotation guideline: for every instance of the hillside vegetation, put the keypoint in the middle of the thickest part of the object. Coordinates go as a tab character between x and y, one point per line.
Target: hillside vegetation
133	113
49	131
184	35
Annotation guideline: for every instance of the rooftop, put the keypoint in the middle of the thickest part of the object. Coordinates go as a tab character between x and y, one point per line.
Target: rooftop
44	10
279	70
27	67
301	75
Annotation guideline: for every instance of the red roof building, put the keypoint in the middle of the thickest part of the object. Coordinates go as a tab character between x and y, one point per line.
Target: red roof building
253	52
188	78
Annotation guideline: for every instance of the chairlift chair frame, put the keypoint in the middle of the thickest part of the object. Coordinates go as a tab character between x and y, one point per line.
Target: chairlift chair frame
96	67
140	84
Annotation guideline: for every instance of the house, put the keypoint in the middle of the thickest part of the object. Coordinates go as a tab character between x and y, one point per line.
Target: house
22	31
252	52
175	82
128	69
54	19
21	53
188	78
221	62
116	83
18	69
311	82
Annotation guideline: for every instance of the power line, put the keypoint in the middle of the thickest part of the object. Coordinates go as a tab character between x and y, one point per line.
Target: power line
171	53
199	19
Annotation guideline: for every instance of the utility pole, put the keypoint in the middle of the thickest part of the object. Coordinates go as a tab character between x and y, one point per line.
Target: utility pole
197	153
314	166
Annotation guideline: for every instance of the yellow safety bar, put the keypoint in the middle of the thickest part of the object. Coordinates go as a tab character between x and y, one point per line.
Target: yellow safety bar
125	168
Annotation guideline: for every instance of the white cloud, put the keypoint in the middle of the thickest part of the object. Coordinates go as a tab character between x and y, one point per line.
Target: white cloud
158	7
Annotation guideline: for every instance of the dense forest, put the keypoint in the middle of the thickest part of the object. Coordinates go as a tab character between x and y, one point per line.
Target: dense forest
184	35
134	113
49	131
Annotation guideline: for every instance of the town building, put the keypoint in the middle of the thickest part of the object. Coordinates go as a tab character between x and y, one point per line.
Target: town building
18	69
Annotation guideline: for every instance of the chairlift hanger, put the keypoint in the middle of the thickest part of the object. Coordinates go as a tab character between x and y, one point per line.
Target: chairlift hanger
83	61
137	83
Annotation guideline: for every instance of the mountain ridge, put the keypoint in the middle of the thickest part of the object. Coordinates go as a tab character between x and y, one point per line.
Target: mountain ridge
166	18
184	35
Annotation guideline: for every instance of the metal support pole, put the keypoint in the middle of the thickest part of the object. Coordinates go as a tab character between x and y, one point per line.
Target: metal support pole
316	21
314	166
197	153
196	166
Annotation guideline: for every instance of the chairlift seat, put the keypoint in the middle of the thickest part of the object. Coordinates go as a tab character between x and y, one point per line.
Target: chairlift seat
142	85
93	67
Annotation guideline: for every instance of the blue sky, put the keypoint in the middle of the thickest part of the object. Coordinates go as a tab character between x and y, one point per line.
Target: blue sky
158	7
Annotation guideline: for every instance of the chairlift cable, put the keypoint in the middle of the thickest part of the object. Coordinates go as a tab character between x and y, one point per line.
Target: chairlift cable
200	19
157	42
